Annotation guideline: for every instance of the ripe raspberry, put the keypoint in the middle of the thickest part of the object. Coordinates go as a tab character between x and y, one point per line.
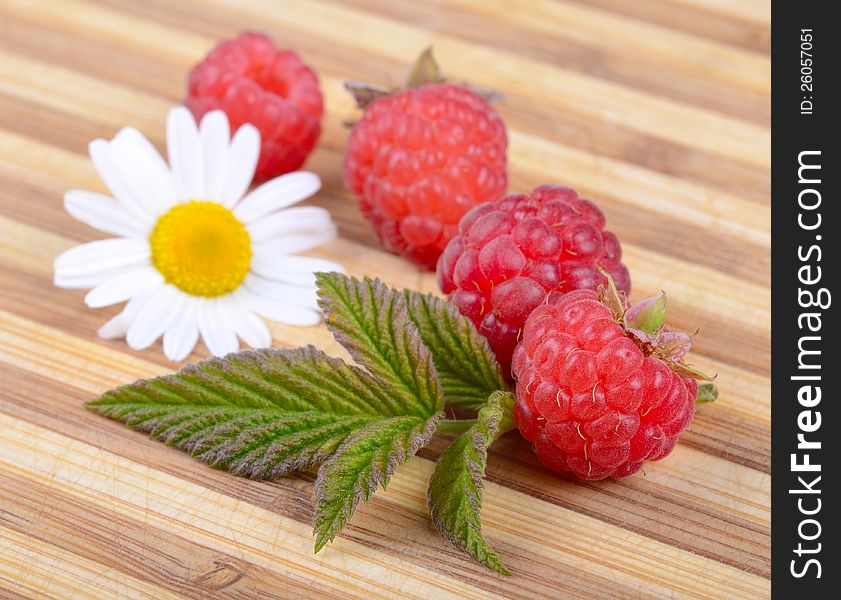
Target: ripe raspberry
510	254
420	159
602	390
254	82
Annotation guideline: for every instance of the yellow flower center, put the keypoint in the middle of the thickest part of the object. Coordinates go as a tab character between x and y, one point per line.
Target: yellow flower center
201	248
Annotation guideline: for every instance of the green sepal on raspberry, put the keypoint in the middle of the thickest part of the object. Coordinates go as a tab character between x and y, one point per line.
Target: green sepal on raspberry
707	392
648	316
421	156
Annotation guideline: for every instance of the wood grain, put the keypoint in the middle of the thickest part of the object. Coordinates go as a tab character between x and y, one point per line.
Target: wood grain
658	110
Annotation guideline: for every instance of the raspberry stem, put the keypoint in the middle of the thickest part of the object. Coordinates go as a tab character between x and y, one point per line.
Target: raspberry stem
454	425
613	299
506	424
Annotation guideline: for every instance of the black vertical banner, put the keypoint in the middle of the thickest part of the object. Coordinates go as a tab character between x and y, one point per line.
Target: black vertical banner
806	189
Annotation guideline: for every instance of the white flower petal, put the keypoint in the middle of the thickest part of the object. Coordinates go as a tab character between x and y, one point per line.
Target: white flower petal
277	310
278	193
304	296
299	270
182	335
215	133
217	334
185	154
102	212
154	317
248	326
242	160
291	220
119	249
144	169
117	327
101	256
82	281
293	243
124	286
107	165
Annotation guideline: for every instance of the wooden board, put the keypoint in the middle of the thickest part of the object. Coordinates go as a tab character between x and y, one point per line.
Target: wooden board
658	110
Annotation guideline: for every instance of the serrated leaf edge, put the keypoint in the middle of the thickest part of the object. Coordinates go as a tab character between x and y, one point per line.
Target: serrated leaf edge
494	424
206	378
423	384
326	527
455	332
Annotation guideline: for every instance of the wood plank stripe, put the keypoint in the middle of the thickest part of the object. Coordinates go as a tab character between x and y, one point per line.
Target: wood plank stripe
693	473
182	567
728	430
36	569
683	278
753	32
376	528
60	350
144	492
684	213
754	10
654	194
704	299
340	105
590	135
633	54
102	479
549	85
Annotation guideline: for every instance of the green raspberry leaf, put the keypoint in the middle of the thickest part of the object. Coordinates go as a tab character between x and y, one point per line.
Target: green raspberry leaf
371	321
266	413
259	414
466	365
365	461
455	490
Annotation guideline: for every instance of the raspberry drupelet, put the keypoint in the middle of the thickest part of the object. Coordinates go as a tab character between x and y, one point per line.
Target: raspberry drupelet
602	389
423	155
421	158
254	82
509	254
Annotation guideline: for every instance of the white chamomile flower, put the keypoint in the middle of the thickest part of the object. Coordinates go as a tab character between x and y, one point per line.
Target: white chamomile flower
196	255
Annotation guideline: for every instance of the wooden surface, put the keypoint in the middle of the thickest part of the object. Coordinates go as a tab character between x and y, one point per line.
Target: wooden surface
658	110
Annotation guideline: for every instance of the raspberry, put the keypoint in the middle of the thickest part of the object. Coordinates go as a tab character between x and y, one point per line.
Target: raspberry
596	395
254	82
420	159
510	254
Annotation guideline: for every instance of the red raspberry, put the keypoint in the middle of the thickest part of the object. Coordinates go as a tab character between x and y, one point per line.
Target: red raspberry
596	396
419	160
254	82
510	254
